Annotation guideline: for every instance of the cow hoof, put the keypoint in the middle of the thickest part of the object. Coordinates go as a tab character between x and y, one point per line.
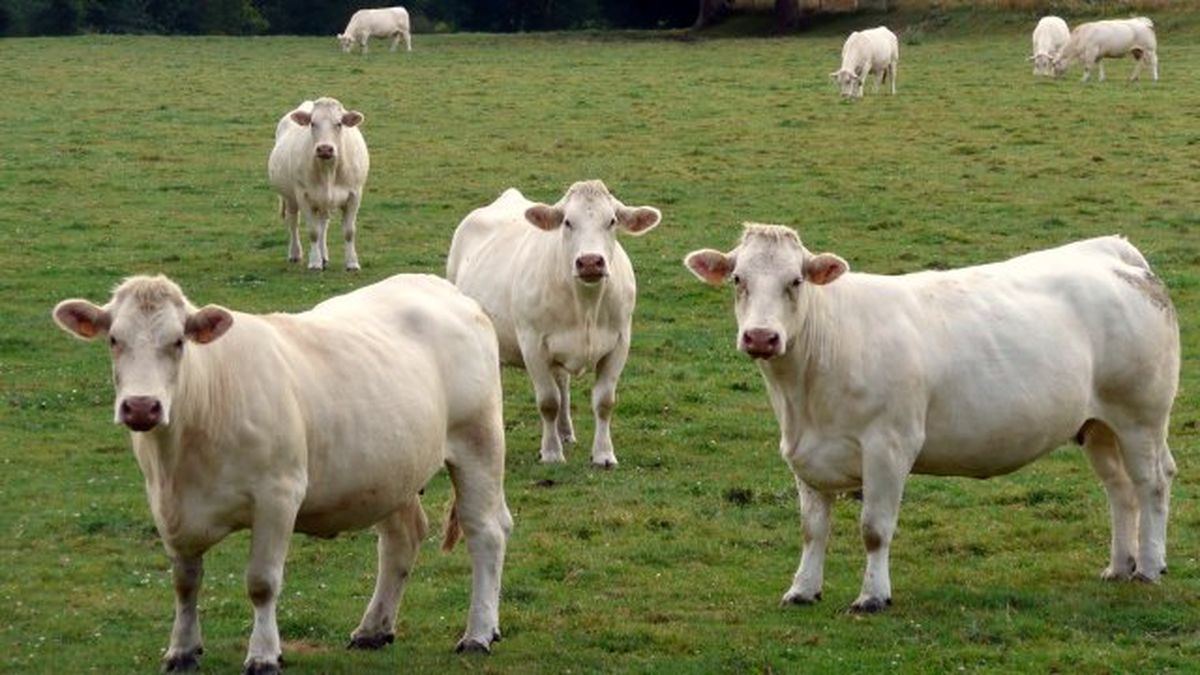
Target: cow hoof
294	259
371	641
1145	578
263	667
1109	574
790	599
870	606
187	662
552	459
604	463
472	646
353	268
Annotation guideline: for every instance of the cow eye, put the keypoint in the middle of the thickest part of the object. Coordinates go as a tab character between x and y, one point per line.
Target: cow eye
737	280
612	222
796	282
112	342
567	224
179	344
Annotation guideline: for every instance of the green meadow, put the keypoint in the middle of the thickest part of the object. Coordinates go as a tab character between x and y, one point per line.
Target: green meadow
126	155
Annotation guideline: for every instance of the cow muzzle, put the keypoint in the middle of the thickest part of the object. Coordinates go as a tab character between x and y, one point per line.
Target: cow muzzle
141	413
590	268
761	343
325	151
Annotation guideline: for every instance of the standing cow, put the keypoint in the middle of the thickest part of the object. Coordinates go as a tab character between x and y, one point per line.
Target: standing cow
319	163
1090	43
971	372
319	422
381	23
560	291
1049	37
867	51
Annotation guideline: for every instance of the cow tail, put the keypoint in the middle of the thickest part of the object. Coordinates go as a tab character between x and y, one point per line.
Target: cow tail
453	530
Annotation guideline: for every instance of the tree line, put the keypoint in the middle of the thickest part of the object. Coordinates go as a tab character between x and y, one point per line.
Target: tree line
325	17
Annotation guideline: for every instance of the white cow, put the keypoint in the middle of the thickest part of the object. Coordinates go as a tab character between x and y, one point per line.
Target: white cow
1049	38
319	422
368	23
970	372
560	290
875	50
319	163
1091	42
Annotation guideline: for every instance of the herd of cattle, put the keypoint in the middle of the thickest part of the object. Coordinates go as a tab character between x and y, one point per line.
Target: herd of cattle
335	418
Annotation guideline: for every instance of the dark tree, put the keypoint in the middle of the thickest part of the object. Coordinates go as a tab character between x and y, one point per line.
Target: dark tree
57	17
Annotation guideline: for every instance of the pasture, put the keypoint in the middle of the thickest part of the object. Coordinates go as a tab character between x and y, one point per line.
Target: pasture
129	155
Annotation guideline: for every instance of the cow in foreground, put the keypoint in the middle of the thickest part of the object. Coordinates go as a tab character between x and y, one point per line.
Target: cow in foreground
560	290
319	164
319	422
1049	37
381	23
867	51
971	372
1092	42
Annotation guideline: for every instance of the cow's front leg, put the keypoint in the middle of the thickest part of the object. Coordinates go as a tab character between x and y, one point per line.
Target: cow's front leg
400	536
566	430
291	218
815	508
349	222
883	486
318	222
186	646
548	400
1100	67
274	518
604	399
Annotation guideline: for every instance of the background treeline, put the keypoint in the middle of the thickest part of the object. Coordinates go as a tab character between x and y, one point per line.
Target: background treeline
320	17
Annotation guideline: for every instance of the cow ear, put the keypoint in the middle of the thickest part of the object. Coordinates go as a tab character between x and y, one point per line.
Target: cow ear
834	75
823	268
82	318
709	266
544	217
352	118
640	220
207	324
302	118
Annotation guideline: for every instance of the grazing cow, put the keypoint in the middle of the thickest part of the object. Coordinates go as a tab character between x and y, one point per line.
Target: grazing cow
1049	38
1091	42
970	372
560	291
875	50
319	422
368	23
319	163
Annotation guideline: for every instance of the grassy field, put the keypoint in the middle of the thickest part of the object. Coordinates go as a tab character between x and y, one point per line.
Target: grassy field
141	154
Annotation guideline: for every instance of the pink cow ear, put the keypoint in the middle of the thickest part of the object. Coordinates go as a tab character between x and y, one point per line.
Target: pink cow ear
302	118
823	268
82	318
710	266
639	220
352	118
208	324
544	217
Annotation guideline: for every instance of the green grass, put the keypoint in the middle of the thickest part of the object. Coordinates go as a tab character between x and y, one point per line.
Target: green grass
124	155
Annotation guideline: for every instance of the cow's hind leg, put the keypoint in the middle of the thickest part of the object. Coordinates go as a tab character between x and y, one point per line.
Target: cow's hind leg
566	430
1151	469
815	510
186	646
476	465
1105	456
400	536
1137	64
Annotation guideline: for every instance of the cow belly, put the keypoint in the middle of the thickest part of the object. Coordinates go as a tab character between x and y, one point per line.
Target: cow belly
578	351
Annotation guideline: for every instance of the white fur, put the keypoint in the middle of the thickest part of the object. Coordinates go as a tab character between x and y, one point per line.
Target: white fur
1092	42
1049	37
875	50
381	23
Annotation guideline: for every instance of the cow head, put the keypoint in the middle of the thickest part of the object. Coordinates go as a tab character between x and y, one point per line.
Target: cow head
770	270
346	42
1043	63
588	217
148	322
1059	65
326	121
848	81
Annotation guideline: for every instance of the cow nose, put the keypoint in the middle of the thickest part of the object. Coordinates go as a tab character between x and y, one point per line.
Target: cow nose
325	151
141	413
590	267
760	343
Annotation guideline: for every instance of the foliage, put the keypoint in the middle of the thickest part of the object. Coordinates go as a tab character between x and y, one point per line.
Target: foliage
143	154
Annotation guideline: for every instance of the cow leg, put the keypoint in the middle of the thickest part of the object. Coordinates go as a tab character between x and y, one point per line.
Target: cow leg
1100	67
1153	57
815	509
271	530
318	222
566	430
548	400
395	41
363	42
892	68
408	41
476	465
186	645
1137	65
1151	469
400	536
604	399
349	223
1102	451
883	486
291	218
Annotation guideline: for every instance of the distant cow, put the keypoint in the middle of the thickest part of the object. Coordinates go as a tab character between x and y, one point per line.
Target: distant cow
560	291
368	23
320	422
1049	38
319	163
1091	42
970	372
868	51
